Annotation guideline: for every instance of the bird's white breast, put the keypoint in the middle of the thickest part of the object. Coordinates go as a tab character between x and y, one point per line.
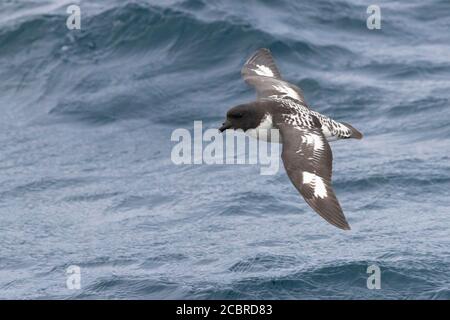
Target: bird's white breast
263	130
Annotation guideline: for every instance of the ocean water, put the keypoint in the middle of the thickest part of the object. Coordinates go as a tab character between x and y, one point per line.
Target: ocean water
86	176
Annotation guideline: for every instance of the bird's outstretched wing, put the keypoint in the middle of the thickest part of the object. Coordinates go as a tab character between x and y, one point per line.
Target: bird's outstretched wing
261	72
308	161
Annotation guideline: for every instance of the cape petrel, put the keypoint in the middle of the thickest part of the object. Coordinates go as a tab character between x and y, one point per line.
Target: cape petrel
304	133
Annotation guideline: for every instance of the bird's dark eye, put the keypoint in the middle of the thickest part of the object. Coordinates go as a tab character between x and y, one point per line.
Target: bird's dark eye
236	115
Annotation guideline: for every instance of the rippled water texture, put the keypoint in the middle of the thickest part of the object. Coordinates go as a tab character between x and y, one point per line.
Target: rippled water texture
85	171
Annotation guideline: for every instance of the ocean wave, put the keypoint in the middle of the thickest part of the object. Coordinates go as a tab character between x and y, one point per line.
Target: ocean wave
342	281
162	46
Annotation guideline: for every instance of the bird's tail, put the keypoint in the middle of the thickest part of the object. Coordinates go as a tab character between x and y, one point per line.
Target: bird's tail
355	133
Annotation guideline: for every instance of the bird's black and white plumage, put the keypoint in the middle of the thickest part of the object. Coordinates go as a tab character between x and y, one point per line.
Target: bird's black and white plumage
304	133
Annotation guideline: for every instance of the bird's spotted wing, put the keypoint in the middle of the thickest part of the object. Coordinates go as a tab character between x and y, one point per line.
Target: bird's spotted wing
261	72
308	161
261	63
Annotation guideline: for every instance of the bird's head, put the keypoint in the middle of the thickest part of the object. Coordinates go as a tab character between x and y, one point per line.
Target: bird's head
244	116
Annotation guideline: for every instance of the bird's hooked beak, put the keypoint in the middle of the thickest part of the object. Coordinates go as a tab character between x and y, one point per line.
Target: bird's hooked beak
226	125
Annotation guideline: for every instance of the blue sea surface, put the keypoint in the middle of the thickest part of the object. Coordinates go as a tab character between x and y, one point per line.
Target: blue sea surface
86	176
